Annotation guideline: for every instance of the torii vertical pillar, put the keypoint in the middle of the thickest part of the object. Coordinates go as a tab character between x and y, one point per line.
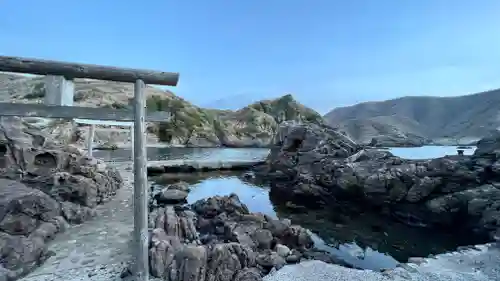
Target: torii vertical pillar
141	237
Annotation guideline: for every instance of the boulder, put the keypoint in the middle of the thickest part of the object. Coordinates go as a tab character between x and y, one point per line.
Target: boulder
23	209
28	219
181	185
168	195
282	250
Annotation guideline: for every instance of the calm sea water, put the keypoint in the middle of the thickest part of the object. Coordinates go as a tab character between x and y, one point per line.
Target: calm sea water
174	153
367	241
427	152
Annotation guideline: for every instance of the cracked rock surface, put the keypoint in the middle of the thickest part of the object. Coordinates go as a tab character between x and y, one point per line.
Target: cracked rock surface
44	186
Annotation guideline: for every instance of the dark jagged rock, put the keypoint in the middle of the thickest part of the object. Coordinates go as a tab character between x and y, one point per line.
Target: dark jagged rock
310	141
315	167
489	146
22	209
43	186
219	239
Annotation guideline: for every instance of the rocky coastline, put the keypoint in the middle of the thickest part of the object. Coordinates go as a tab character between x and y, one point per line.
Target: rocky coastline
315	166
218	238
44	187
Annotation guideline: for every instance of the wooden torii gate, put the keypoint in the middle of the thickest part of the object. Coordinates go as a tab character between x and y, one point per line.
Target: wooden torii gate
58	104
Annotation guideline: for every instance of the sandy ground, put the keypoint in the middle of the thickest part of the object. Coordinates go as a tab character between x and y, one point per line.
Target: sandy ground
97	249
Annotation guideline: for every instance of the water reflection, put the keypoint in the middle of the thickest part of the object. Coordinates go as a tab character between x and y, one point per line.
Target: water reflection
174	153
363	240
205	185
370	241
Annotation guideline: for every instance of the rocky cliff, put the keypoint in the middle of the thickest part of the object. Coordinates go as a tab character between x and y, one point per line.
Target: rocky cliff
252	126
411	121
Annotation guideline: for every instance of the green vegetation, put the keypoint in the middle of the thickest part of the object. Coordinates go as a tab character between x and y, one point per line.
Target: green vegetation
37	91
286	108
189	124
186	118
255	121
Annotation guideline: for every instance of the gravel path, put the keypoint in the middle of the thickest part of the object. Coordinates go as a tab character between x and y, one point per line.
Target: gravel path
97	249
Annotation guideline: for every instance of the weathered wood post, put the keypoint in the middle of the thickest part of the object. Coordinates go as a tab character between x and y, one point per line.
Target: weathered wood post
90	140
140	184
132	141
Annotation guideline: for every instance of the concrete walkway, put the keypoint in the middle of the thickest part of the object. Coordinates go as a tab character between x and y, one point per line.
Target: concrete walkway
97	249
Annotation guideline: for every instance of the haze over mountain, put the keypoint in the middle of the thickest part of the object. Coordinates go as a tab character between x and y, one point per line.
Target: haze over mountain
414	120
236	102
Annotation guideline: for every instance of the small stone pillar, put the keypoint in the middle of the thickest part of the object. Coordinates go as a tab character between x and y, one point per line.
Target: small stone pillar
59	91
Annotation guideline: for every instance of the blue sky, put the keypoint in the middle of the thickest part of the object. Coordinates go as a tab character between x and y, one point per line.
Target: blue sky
229	53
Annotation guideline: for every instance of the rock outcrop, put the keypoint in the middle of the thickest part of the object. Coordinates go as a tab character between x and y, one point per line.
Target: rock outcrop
44	185
460	192
251	126
219	239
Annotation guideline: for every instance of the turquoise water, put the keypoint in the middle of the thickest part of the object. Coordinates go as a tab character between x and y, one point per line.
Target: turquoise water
366	241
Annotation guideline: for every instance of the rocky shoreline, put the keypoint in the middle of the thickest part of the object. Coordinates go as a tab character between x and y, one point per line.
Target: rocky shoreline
476	263
44	187
155	168
199	239
315	166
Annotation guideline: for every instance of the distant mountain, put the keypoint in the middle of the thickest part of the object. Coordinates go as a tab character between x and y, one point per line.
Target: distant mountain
409	121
